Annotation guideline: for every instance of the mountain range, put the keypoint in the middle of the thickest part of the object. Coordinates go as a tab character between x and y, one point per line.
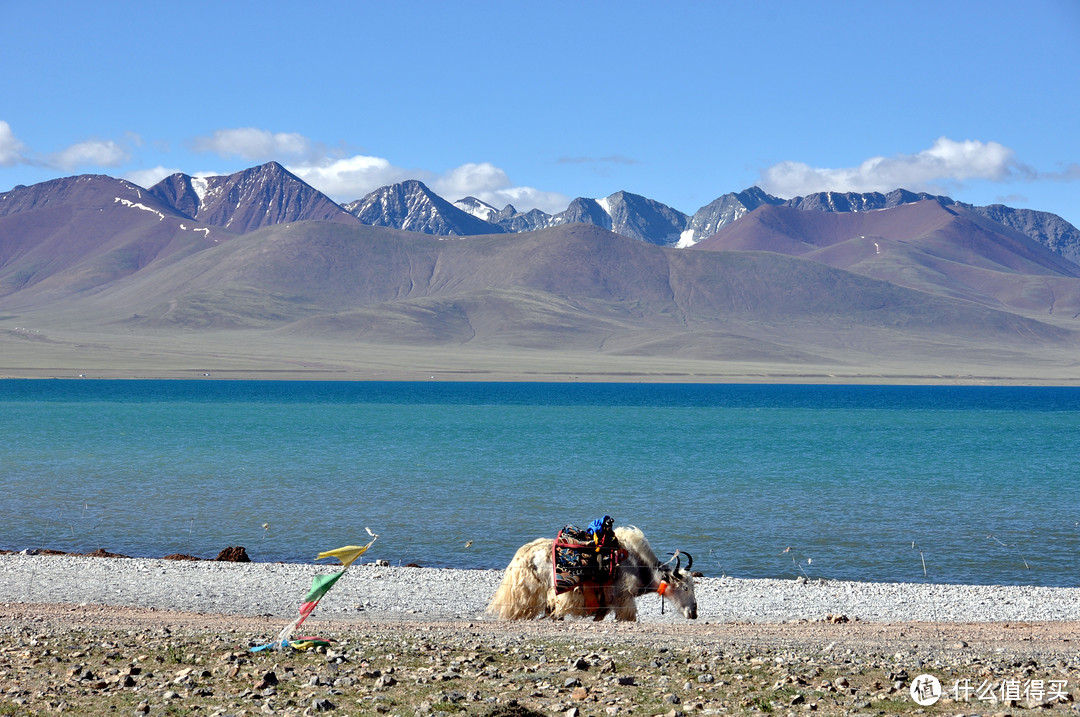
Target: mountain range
641	218
908	280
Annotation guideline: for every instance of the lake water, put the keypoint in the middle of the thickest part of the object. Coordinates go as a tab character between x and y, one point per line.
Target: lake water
883	483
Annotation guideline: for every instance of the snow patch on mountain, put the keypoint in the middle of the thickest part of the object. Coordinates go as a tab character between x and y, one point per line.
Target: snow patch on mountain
205	230
605	204
199	185
478	208
137	205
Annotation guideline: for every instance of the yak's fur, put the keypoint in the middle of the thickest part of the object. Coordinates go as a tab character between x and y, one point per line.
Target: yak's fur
527	590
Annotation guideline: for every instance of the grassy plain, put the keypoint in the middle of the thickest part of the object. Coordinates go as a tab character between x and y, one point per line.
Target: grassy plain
29	352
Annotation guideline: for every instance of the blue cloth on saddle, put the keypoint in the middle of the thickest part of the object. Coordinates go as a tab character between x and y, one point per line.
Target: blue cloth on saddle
600	525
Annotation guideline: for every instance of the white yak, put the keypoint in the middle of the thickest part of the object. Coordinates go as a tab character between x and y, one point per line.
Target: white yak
527	590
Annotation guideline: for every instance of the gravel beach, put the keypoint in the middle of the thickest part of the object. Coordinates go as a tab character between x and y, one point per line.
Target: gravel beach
140	636
390	592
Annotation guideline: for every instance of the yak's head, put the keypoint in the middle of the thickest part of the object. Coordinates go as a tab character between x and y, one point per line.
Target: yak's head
678	584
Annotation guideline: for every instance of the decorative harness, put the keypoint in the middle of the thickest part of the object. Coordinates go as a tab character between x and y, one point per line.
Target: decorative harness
586	560
660	589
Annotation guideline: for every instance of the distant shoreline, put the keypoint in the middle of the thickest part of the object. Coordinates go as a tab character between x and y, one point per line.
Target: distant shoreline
514	377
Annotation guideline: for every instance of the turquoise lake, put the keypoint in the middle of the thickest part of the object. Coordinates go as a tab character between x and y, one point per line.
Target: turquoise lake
879	483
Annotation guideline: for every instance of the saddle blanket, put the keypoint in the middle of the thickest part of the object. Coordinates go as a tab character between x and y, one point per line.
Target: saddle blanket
579	560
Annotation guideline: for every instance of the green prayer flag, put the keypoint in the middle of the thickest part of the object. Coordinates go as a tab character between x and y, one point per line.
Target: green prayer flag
320	584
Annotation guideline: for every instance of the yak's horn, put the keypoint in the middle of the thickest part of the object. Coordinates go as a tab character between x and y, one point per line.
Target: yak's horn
689	559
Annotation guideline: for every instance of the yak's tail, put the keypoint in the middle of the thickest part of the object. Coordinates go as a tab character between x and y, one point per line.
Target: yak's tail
523	593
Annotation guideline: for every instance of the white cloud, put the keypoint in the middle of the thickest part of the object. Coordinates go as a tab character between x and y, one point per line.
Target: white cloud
353	177
470	179
524	199
490	184
92	153
255	144
150	177
346	179
11	149
946	163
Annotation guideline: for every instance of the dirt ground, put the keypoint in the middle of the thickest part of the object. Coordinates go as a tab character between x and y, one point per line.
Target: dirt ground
1024	638
92	659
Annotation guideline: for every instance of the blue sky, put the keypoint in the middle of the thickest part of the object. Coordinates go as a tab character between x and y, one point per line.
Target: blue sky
537	103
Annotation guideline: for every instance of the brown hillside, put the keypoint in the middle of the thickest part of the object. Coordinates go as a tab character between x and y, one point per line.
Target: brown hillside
72	235
574	287
947	251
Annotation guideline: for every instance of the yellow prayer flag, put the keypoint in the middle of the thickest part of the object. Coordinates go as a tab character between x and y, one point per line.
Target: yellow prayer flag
346	555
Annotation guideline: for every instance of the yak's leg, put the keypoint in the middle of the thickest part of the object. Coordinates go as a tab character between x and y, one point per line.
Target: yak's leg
599	602
626	611
570	604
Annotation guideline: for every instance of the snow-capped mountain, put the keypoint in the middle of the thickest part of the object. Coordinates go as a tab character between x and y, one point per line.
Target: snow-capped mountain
242	202
513	221
479	209
860	202
411	206
733	206
636	216
723	211
508	219
584	211
799	283
641	218
268	194
631	215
